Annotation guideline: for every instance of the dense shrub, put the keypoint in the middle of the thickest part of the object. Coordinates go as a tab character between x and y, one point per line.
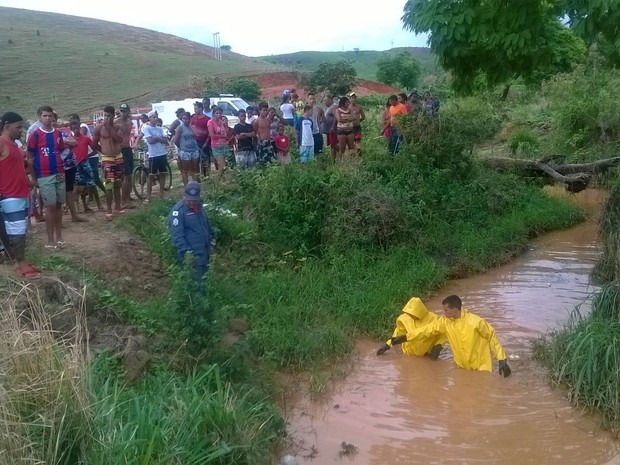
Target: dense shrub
585	112
523	141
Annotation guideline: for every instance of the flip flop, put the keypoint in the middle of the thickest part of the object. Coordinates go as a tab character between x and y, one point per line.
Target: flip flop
51	246
34	267
29	274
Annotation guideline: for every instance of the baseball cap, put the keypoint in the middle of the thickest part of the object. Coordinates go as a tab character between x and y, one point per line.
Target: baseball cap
351	94
192	191
124	107
179	111
151	113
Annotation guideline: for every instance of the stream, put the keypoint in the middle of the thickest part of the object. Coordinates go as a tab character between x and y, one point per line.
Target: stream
396	409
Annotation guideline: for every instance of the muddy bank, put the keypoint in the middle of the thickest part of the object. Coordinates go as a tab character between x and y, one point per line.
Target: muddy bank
396	408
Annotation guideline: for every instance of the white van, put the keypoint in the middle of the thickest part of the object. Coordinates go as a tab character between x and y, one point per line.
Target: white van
229	104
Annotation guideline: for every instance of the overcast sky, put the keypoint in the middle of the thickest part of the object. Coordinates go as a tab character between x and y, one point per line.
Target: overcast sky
255	27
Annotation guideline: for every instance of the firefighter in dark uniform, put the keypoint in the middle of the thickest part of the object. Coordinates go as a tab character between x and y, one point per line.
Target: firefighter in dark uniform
191	231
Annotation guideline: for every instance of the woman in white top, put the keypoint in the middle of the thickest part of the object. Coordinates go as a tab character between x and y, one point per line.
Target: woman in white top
288	110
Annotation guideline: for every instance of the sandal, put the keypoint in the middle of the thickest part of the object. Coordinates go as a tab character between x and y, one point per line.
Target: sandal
29	274
34	267
61	244
109	216
51	246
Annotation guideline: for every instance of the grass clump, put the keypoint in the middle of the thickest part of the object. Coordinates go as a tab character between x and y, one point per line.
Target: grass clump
57	409
584	356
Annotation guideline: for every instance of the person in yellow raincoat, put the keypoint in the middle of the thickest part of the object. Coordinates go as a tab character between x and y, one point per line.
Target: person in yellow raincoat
415	315
471	338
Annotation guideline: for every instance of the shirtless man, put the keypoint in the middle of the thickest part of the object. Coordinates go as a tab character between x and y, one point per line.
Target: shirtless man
318	117
124	120
262	128
107	140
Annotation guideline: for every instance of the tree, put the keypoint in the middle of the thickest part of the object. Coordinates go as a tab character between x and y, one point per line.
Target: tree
499	39
338	78
597	22
227	48
244	88
401	69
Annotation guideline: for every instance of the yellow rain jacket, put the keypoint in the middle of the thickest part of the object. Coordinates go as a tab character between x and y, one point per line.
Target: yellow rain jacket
415	315
471	339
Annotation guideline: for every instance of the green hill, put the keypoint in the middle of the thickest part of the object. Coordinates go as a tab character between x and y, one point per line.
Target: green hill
78	64
364	61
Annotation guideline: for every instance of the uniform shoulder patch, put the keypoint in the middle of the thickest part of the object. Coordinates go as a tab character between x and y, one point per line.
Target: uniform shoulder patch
175	222
175	213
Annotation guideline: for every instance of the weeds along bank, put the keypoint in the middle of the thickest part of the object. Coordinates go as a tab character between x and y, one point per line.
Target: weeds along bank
58	406
310	258
313	257
584	355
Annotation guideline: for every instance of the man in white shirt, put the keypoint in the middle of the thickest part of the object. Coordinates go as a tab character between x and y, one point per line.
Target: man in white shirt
156	141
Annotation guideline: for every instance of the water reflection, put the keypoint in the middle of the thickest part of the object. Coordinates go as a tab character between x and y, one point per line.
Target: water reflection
398	409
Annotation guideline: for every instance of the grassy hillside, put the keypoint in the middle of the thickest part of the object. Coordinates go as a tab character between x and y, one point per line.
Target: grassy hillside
364	61
79	64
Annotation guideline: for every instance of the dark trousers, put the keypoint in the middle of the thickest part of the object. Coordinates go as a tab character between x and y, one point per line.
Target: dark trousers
318	143
395	140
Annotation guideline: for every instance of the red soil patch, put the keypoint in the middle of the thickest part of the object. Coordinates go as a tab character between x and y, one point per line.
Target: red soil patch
272	85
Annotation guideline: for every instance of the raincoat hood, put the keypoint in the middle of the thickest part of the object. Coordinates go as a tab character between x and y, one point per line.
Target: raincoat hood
416	307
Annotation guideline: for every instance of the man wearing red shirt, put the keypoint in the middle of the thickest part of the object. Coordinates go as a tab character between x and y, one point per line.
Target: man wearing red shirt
14	193
45	145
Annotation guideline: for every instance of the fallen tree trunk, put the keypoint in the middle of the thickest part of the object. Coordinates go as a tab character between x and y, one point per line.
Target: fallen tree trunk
575	176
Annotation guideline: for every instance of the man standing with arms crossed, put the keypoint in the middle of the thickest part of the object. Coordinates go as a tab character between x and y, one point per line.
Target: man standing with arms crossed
126	124
158	154
107	140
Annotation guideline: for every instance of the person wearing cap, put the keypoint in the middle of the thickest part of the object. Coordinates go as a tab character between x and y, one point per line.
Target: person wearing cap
14	194
192	235
124	120
360	116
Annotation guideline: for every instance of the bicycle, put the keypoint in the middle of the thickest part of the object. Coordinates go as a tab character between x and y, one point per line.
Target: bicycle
141	175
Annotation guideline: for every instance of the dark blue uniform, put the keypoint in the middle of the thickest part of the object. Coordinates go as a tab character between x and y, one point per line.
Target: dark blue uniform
191	232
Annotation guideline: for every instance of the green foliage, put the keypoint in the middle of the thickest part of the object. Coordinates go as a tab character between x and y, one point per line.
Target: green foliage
444	140
245	88
174	418
500	40
523	141
401	69
364	62
607	269
585	113
597	22
337	78
584	355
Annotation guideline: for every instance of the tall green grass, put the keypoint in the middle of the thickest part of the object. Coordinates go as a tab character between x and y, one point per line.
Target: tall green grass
584	356
57	409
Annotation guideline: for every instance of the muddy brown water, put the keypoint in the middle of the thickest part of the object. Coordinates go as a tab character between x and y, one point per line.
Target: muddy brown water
398	409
